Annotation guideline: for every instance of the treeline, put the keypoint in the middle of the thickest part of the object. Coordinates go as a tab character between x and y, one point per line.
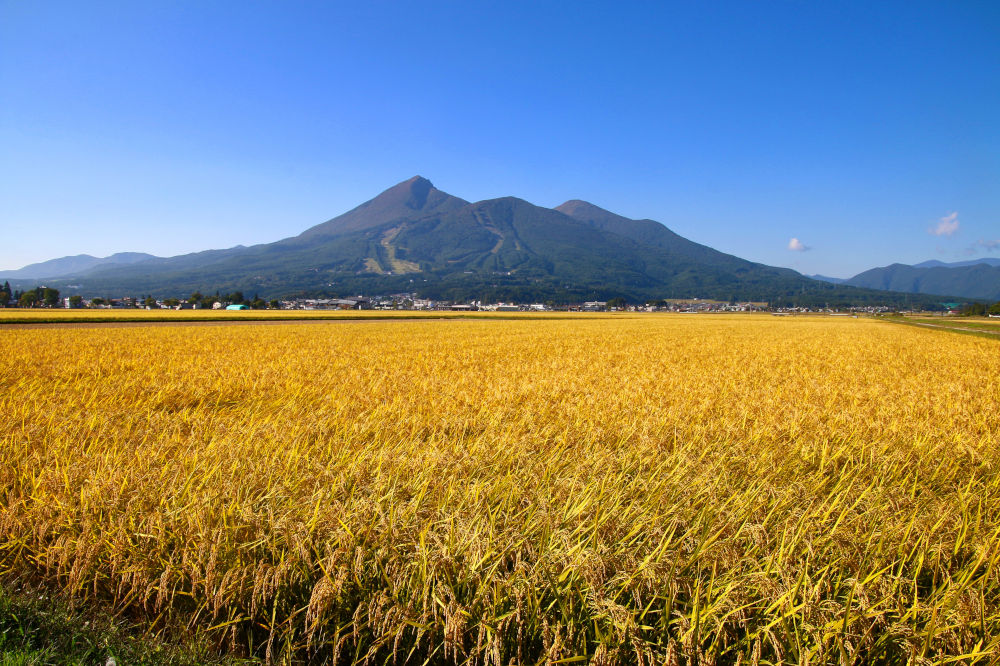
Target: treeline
49	298
31	298
546	289
531	286
981	309
462	288
234	298
207	301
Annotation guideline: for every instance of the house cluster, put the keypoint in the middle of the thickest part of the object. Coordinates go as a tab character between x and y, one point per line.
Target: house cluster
406	302
357	303
409	301
512	307
130	303
698	305
412	302
868	309
103	303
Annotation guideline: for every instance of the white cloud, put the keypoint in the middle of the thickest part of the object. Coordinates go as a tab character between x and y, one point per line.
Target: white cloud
795	245
982	245
946	225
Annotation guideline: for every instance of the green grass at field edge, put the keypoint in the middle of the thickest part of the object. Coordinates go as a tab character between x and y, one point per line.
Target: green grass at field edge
37	628
947	325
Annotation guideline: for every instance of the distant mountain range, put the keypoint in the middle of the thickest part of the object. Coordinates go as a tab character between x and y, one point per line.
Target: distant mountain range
826	278
416	238
977	279
934	263
974	278
75	265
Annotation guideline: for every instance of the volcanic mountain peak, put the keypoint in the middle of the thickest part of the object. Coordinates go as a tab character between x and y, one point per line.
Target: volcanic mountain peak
413	193
581	209
407	200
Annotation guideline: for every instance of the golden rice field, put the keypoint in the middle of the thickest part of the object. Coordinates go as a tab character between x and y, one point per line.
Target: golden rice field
618	490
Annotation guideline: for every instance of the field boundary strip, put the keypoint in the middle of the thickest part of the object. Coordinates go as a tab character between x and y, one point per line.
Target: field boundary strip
990	335
122	322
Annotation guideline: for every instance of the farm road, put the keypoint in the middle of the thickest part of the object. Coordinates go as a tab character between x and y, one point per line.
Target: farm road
955	329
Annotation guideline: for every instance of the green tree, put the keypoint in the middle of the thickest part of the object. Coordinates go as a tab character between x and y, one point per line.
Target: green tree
196	297
172	302
995	308
617	302
975	310
276	305
149	302
97	301
27	299
75	301
49	296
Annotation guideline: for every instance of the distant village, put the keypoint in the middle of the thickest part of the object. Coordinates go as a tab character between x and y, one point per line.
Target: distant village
45	297
409	302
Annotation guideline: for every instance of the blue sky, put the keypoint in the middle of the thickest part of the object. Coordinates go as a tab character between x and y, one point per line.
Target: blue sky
856	128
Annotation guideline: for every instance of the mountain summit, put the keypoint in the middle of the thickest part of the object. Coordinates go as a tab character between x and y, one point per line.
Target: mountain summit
407	200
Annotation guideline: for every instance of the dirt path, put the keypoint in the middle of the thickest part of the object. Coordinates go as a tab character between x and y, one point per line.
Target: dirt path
995	334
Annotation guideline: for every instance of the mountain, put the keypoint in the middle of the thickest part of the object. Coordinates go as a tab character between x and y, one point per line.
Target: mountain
541	245
76	264
654	234
934	263
415	238
825	278
413	197
643	231
979	280
354	243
